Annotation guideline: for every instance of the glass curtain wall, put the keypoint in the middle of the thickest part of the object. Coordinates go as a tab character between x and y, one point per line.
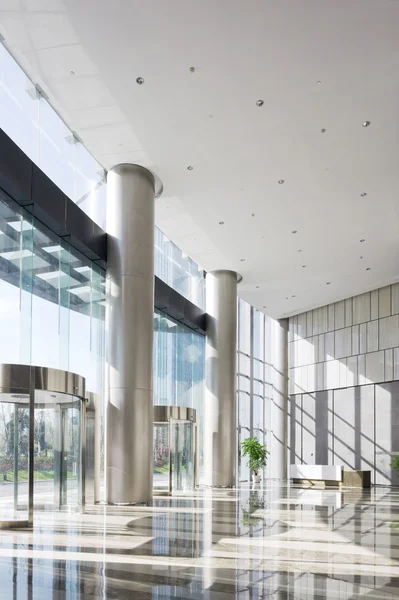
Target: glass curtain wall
52	315
254	380
179	372
52	299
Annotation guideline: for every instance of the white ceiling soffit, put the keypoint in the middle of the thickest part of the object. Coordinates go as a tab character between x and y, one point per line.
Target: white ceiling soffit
321	69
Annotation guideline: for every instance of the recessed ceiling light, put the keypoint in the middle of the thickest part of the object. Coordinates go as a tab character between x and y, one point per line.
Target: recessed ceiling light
242	259
192	69
363	240
211	116
259	103
258	286
363	194
368	269
303	266
366	123
286	297
318	82
322	130
221	222
281	181
299	250
253	214
293	296
264	306
295	231
190	168
72	72
140	80
328	283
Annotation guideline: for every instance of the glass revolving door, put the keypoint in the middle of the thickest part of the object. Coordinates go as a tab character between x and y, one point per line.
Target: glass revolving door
42	440
175	449
58	440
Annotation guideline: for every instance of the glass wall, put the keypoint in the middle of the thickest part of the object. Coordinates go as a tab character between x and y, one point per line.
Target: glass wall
179	369
178	270
29	120
254	380
52	299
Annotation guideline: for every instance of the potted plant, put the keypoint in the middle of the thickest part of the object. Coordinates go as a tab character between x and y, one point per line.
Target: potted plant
257	456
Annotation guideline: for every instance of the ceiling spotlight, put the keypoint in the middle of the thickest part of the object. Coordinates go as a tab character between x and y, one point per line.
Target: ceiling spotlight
140	80
190	168
318	82
253	214
368	269
281	181
303	266
361	257
295	231
259	103
221	222
72	72
363	240
322	130
293	296
328	283
192	69
366	123
242	259
363	194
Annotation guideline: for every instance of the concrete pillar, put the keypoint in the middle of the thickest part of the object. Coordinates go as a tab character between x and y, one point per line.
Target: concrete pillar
279	414
131	191
220	430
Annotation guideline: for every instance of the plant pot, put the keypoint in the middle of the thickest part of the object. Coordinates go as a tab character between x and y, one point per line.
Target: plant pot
255	477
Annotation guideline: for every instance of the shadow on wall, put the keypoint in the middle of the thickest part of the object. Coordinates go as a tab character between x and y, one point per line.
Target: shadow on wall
357	427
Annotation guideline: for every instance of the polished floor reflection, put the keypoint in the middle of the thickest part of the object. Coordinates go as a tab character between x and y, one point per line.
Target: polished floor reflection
275	541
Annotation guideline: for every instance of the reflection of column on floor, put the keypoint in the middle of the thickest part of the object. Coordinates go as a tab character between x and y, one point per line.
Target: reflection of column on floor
220	521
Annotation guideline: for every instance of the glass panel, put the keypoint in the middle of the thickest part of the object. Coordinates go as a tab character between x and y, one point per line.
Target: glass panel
244	431
182	456
90	186
19	106
57	468
173	266
161	457
57	150
14	457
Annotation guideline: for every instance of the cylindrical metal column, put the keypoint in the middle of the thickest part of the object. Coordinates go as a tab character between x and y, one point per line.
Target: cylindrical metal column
130	322
279	415
221	380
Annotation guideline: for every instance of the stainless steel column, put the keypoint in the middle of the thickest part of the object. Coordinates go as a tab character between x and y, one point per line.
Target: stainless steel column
221	380
130	322
279	411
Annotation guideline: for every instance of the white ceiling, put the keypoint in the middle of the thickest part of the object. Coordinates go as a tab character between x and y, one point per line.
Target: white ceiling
316	64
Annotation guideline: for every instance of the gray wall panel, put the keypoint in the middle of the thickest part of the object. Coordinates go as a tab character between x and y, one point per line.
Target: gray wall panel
386	431
384	302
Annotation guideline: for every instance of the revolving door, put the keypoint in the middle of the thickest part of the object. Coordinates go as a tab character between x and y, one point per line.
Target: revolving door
42	440
175	449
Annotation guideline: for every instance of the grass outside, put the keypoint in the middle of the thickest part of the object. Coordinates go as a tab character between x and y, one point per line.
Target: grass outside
38	476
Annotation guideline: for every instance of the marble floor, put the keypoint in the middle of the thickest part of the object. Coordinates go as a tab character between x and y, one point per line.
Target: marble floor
275	541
